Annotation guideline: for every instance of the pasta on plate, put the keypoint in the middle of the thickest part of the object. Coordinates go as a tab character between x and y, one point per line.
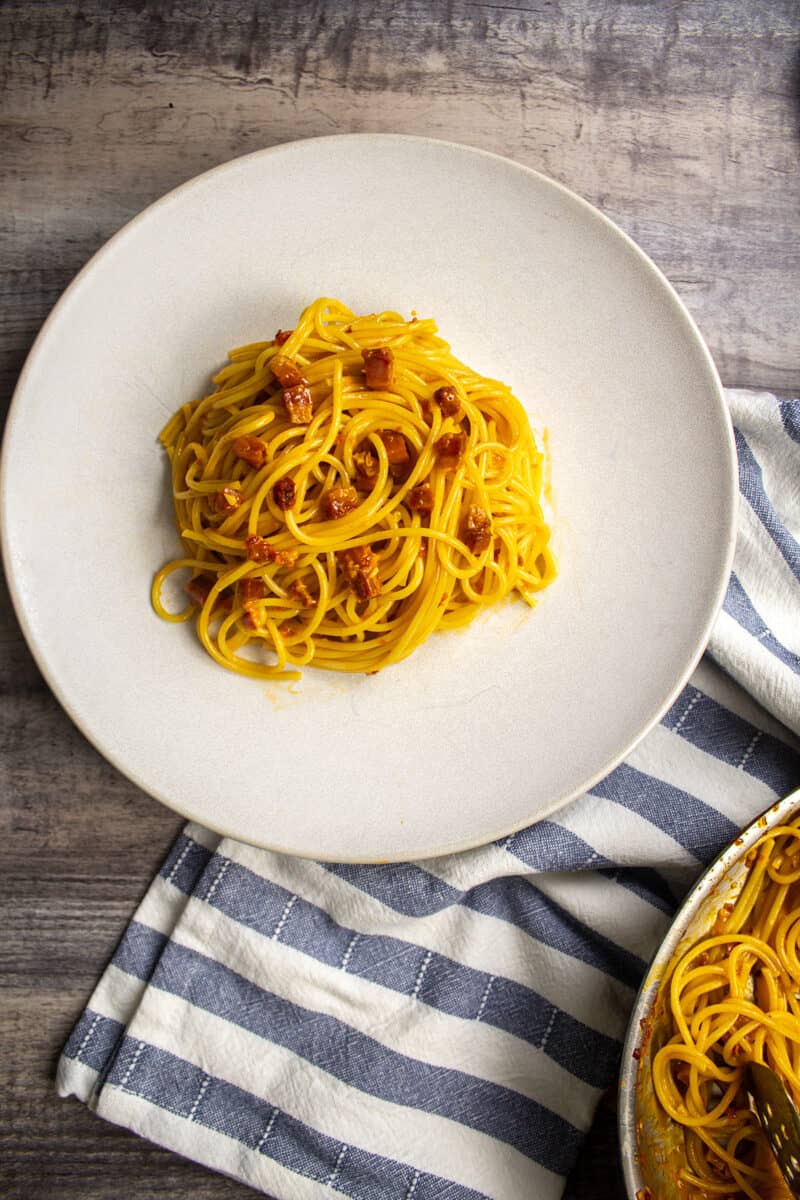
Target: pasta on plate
348	488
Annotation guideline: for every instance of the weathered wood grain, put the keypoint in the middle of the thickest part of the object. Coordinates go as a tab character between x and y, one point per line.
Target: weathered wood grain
59	1149
680	119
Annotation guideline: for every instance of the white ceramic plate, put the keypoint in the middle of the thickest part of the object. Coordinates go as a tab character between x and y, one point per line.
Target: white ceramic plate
480	732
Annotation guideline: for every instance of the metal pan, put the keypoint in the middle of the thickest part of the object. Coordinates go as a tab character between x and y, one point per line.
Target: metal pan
651	1144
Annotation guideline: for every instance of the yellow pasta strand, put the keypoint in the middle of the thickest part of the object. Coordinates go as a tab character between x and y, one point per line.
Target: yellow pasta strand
428	536
732	999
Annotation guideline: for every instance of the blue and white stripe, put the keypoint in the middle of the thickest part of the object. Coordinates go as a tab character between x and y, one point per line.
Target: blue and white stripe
443	1030
757	636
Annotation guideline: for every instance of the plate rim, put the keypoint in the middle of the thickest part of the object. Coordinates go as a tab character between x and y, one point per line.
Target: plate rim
172	196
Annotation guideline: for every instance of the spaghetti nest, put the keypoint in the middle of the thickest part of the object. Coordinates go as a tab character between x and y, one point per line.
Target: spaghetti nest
732	999
348	488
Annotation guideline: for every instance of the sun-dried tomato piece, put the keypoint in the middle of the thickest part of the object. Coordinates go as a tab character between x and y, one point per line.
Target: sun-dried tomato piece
284	493
251	450
450	449
198	589
420	498
367	467
301	595
378	367
360	568
252	589
259	550
253	616
477	529
396	446
298	404
339	501
286	371
447	399
226	501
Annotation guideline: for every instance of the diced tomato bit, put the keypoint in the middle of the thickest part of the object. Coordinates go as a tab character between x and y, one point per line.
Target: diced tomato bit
282	336
450	449
286	371
227	501
420	498
251	589
448	401
339	501
378	367
252	450
423	548
477	533
297	401
396	447
360	567
299	592
286	629
285	493
198	589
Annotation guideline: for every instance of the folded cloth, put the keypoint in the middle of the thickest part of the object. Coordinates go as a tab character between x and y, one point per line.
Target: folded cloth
757	636
444	1029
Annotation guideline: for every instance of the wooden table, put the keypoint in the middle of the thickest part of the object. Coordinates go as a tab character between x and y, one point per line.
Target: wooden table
680	120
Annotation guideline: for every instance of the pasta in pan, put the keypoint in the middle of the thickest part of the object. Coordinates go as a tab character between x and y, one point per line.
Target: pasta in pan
346	489
733	998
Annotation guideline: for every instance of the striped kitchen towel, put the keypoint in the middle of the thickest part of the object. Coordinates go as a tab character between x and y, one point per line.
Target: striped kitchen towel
444	1029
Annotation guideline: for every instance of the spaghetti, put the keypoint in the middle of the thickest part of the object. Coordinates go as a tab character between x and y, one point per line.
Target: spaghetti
348	488
732	999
